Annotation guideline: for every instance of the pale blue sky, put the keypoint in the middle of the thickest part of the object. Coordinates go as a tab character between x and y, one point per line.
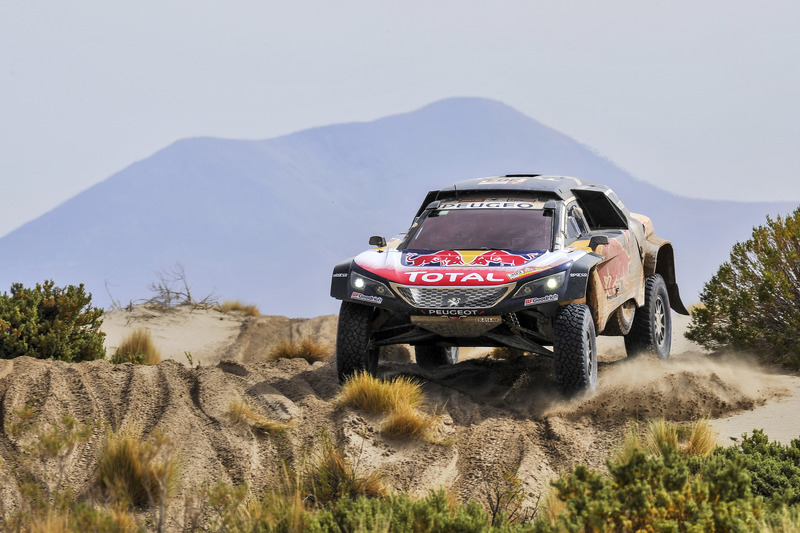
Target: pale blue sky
699	97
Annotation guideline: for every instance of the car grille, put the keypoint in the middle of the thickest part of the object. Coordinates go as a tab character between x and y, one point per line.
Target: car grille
453	298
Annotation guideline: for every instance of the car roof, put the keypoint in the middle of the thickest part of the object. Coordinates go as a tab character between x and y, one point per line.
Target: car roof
560	186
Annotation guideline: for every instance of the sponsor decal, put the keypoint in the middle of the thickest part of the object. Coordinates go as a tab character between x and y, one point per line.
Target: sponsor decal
440	258
527	272
453	312
502	181
489	319
452	277
340	275
366	298
502	258
500	204
491	258
615	268
541	300
579	274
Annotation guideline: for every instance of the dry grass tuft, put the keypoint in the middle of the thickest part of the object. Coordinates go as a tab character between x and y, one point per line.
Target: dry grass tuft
661	436
631	443
788	521
237	306
400	399
307	348
408	422
371	394
136	471
242	413
551	505
702	439
330	476
137	348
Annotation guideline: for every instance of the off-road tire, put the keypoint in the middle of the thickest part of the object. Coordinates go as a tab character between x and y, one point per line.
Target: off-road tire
575	348
429	357
652	325
353	352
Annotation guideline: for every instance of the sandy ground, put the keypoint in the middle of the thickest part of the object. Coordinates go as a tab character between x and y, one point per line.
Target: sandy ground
494	415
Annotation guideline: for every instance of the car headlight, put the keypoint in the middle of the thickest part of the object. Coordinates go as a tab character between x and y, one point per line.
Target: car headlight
542	285
361	283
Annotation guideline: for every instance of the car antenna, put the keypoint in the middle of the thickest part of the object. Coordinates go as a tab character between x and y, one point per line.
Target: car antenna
456	189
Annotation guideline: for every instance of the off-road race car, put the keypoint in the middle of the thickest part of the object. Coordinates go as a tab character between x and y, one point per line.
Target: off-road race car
520	261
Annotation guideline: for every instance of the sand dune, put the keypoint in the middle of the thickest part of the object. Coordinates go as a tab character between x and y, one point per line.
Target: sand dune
495	415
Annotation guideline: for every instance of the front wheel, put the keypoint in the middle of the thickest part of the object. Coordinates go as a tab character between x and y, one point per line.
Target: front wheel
429	357
353	352
575	348
652	325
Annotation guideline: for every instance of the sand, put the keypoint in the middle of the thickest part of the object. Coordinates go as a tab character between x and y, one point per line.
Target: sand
494	415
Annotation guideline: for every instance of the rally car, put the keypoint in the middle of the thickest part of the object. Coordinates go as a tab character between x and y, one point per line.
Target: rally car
538	263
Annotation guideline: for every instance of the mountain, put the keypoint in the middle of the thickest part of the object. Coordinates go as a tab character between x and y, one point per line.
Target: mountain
265	221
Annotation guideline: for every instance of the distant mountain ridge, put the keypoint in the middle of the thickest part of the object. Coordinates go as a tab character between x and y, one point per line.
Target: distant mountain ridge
265	221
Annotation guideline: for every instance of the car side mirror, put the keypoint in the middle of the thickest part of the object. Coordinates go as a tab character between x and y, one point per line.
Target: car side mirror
377	240
597	240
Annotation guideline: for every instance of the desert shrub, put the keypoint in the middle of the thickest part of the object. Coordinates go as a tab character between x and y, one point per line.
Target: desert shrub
657	493
751	303
77	517
137	348
236	306
136	471
369	393
306	348
49	322
401	513
773	467
242	413
329	476
232	510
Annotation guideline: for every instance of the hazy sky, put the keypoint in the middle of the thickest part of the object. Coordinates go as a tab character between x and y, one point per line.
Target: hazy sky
699	97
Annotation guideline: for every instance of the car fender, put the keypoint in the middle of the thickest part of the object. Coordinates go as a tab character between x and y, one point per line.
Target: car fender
659	258
339	279
578	280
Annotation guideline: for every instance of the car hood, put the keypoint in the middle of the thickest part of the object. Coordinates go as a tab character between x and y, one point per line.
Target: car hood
461	267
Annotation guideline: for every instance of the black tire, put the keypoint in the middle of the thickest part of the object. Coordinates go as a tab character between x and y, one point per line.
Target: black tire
430	357
652	326
575	347
353	352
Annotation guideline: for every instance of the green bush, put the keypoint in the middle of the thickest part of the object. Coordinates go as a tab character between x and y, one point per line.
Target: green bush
751	303
50	322
657	493
401	513
773	467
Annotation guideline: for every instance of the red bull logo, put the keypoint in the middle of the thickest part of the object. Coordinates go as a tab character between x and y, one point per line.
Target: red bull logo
442	258
501	258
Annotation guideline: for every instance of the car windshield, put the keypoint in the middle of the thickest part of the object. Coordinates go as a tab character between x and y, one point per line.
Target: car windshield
483	229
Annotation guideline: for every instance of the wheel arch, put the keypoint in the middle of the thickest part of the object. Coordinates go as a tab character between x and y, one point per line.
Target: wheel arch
659	258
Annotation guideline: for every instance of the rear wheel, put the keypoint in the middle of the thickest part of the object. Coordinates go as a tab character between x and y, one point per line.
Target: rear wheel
575	347
353	352
429	357
652	326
